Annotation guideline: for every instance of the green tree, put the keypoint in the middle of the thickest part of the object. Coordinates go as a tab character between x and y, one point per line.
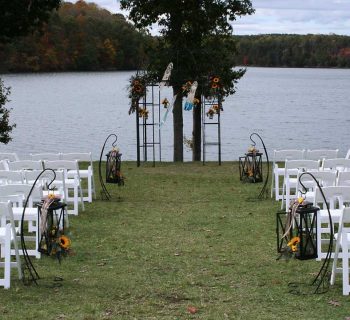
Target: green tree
5	128
18	17
197	38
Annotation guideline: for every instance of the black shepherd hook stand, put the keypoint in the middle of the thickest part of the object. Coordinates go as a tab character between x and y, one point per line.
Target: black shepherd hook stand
104	191
33	274
322	280
263	191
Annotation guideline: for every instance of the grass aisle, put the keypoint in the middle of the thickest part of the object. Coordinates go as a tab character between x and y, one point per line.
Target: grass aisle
181	235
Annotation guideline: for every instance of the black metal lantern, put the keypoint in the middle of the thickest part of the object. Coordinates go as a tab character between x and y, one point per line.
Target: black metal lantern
51	226
113	173
306	230
250	166
113	164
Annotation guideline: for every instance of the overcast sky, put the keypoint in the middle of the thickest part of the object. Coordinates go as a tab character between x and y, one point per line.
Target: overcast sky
285	16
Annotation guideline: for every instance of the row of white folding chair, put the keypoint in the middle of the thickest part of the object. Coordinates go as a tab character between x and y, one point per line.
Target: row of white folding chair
17	194
342	241
7	239
30	176
292	168
72	177
336	198
280	156
76	156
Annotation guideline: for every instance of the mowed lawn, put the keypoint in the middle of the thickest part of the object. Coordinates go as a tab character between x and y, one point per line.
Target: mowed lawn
175	236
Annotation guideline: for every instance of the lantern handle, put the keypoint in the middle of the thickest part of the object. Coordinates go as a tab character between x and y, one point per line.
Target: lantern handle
115	140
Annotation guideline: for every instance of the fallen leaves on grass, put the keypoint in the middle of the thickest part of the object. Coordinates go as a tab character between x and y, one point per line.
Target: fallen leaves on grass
334	303
192	309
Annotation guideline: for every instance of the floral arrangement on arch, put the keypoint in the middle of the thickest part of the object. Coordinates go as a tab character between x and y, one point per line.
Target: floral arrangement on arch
137	90
143	113
213	110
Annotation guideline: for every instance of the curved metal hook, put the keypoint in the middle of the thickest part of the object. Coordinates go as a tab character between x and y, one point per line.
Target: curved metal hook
115	141
321	277
104	189
263	189
254	143
33	273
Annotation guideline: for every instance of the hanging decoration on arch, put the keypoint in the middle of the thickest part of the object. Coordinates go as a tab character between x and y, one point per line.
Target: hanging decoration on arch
190	89
166	75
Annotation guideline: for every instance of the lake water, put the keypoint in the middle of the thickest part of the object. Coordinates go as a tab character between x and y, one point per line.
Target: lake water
289	108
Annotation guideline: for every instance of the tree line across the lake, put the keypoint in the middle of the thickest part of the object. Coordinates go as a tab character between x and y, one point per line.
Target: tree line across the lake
83	36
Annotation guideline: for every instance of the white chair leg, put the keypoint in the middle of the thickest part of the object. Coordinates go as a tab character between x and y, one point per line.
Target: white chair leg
7	256
345	248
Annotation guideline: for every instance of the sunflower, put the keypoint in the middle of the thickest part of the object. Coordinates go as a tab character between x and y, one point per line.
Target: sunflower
64	242
136	82
216	80
216	107
137	88
196	101
214	86
293	242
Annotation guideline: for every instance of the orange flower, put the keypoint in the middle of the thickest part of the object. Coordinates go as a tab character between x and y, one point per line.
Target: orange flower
64	242
138	88
216	80
214	86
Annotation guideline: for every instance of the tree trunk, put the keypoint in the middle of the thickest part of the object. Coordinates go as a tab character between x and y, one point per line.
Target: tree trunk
197	133
178	127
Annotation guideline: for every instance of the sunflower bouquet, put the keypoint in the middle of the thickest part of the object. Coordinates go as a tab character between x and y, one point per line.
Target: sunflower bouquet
143	113
137	90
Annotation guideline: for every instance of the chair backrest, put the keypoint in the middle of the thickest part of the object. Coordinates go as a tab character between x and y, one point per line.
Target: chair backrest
8	177
302	165
45	156
22	190
324	178
62	165
336	196
340	164
283	155
321	154
79	156
343	178
25	165
9	156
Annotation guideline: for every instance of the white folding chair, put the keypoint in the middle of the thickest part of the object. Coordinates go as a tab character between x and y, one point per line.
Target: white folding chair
340	164
84	173
324	178
9	156
18	193
25	165
291	171
336	198
45	156
343	178
7	238
73	183
8	177
321	154
342	238
278	168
